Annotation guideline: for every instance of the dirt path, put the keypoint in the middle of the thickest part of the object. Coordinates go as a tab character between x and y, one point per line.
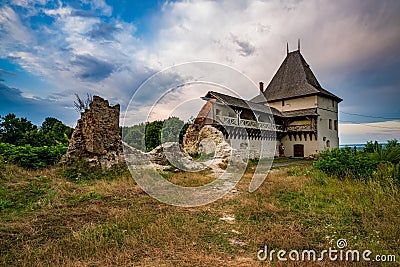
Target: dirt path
288	163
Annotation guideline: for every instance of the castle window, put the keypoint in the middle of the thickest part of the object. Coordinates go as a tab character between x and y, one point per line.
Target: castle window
330	124
283	103
335	125
328	143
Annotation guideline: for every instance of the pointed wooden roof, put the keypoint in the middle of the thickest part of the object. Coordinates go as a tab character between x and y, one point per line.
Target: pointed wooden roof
294	78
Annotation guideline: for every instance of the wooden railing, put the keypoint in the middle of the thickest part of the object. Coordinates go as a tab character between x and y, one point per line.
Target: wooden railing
248	123
231	121
299	128
224	120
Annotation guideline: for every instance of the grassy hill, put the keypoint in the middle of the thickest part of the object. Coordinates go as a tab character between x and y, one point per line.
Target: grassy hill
49	218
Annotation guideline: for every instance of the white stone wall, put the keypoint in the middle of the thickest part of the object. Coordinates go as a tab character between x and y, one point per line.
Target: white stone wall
327	110
310	146
295	104
254	148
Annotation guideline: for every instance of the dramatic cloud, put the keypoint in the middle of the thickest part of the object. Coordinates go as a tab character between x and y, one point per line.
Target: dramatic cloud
102	31
83	46
92	69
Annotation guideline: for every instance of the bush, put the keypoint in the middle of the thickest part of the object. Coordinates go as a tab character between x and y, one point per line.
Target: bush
32	157
345	162
390	154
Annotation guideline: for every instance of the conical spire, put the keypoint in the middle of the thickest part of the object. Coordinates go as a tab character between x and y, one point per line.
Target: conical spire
294	78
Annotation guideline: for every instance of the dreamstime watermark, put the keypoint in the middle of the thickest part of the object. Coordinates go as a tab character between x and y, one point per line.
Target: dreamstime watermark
340	253
173	92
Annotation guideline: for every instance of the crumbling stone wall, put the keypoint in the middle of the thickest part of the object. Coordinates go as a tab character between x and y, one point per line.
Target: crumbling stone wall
190	139
208	140
96	137
202	139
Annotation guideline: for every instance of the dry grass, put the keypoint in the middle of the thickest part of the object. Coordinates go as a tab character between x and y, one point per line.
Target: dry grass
190	179
114	223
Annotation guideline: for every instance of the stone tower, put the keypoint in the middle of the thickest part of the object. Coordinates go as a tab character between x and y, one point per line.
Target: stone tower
96	137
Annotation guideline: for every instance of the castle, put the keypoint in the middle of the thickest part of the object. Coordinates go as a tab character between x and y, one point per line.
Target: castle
294	113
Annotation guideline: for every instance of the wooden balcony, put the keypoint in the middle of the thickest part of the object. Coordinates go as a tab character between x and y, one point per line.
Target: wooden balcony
299	128
231	121
243	123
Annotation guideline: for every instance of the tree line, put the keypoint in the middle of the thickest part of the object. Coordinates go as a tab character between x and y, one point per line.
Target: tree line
25	144
20	131
28	145
147	136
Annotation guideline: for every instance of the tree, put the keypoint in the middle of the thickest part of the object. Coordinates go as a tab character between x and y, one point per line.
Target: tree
392	144
372	147
20	131
134	136
48	124
61	132
150	135
153	134
171	129
54	132
12	129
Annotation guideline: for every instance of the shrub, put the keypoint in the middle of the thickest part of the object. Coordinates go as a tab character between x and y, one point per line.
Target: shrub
32	157
390	154
392	143
345	162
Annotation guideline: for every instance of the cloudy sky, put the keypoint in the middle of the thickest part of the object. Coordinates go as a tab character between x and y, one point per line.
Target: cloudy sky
50	50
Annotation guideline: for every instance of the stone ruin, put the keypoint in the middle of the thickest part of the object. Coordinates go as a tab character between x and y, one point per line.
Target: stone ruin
97	140
209	140
203	140
96	137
